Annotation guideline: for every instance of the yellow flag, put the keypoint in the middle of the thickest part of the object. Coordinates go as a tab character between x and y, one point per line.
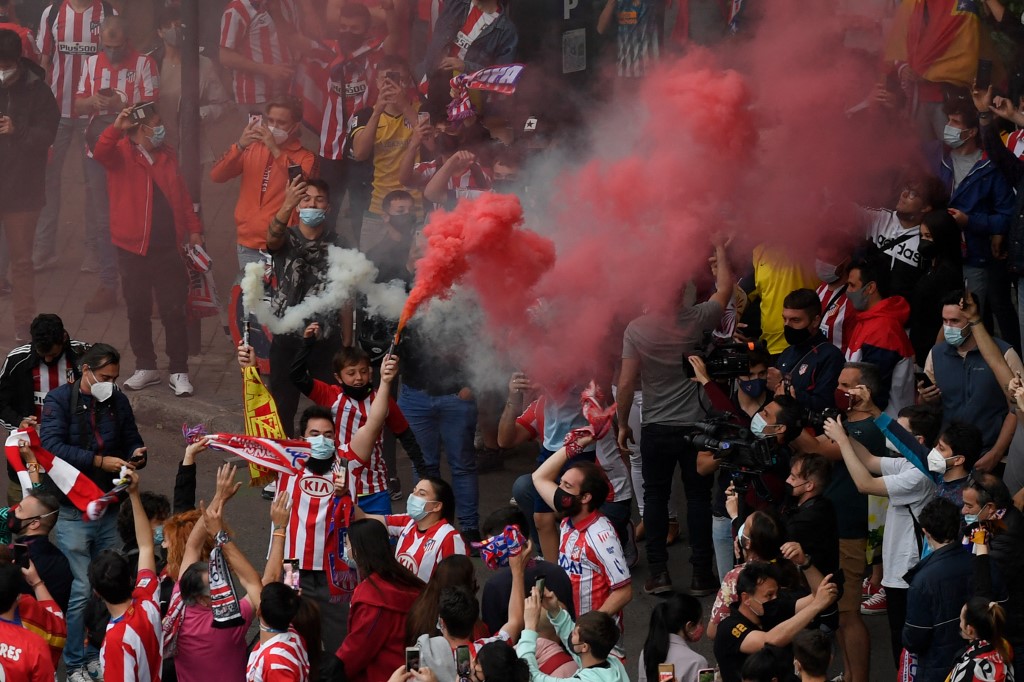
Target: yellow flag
261	419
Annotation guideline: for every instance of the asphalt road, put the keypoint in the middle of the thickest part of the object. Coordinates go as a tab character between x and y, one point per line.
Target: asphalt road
248	514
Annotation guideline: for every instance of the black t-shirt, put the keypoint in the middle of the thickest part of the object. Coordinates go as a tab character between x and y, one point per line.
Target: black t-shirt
731	633
813	524
851	505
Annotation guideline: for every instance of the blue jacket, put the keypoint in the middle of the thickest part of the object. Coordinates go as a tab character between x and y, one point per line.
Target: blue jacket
970	392
495	45
939	586
1012	170
73	438
984	195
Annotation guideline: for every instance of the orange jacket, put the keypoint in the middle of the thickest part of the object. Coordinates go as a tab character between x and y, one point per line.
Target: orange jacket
257	204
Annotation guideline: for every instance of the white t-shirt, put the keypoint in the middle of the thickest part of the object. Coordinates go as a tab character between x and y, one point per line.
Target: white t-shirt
909	489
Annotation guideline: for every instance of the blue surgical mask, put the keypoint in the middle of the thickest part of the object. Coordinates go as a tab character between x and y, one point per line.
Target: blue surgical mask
416	507
755	388
955	336
158	535
927	550
312	216
970	519
757	426
159	133
322	447
951	136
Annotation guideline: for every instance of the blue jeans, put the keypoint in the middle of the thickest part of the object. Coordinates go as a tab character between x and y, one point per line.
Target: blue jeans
721	535
81	542
447	419
97	223
46	229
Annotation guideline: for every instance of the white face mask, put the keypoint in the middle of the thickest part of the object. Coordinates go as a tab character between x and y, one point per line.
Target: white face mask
936	462
280	135
101	390
951	136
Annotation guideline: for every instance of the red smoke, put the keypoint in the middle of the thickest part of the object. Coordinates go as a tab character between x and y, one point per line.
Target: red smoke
481	241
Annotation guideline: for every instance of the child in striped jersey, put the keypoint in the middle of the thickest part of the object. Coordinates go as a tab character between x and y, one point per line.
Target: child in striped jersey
349	401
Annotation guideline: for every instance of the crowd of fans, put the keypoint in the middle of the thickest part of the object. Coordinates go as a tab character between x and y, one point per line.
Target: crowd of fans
848	437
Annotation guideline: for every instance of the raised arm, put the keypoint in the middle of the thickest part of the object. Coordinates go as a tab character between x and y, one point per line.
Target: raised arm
546	475
517	598
213	517
280	512
857	462
783	633
143	533
366	435
724	283
278	229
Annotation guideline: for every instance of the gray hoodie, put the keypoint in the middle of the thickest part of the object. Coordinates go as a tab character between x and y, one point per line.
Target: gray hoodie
612	671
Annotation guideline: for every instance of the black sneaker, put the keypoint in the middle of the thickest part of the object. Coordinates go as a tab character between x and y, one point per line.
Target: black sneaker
629	548
469	536
489	459
703	585
658	584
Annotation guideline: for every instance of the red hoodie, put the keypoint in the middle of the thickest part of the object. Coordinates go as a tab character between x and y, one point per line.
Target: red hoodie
879	338
375	645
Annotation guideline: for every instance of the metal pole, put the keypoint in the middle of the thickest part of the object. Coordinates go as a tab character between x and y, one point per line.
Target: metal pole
188	116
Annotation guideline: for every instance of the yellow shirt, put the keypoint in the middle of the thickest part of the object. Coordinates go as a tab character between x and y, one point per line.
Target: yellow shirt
775	276
393	135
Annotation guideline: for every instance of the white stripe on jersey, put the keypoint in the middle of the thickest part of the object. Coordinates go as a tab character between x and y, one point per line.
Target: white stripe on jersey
349	415
74	37
138	79
422	551
284	652
593	558
306	536
254	35
46	378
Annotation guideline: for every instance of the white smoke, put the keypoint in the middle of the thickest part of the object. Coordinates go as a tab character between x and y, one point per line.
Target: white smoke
349	273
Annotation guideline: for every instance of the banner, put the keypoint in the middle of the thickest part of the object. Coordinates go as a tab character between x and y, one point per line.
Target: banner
261	419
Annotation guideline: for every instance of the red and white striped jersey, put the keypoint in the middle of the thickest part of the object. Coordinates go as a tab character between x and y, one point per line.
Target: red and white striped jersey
1015	143
137	77
476	21
422	550
46	377
248	29
282	658
29	44
74	37
133	646
838	318
29	662
592	556
308	526
461	186
349	88
350	414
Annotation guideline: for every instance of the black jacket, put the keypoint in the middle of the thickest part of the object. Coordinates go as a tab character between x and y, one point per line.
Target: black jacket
1007	553
23	154
495	45
1012	169
53	567
17	385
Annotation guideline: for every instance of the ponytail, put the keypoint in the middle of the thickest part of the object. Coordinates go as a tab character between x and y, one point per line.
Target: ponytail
668	618
988	619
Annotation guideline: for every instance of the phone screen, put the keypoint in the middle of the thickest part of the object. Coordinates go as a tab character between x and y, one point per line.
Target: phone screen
291	574
412	658
540	587
706	675
294	171
255	116
666	672
462	662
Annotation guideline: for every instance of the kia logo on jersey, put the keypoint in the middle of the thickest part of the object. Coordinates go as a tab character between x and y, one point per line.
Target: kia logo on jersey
316	486
408	561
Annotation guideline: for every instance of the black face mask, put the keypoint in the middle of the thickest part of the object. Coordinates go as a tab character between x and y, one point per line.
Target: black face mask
357	392
795	337
505	186
927	250
567	505
403	222
448	144
771	613
14	524
350	42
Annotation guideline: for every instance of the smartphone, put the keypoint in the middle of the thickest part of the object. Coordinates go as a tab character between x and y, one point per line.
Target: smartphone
21	557
412	658
983	78
666	672
291	574
256	117
137	458
463	666
706	675
294	171
922	378
540	587
140	112
394	76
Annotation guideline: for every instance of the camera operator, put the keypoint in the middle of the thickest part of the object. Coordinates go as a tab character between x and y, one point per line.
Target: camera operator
652	348
809	369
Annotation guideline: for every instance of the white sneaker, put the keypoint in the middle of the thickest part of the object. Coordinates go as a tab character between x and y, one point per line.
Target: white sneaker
79	675
269	490
141	379
94	670
180	384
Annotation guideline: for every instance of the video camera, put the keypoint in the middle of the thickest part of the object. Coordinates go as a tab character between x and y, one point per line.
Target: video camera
817	418
734	447
723	358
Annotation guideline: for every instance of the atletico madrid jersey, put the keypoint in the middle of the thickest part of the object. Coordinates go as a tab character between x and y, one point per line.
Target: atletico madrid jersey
422	550
592	556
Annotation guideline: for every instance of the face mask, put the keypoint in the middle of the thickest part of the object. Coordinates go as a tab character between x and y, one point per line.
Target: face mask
951	136
280	136
826	272
350	41
696	634
795	337
955	336
927	249
171	36
755	388
8	74
842	400
416	507
357	392
115	54
758	425
14	524
926	550
158	535
770	611
576	646
403	221
971	519
312	216
505	186
567	505
936	462
101	390
448	144
346	555
322	447
157	138
859	298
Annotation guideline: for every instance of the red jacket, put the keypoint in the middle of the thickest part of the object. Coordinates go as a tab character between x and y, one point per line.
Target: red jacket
130	180
375	645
